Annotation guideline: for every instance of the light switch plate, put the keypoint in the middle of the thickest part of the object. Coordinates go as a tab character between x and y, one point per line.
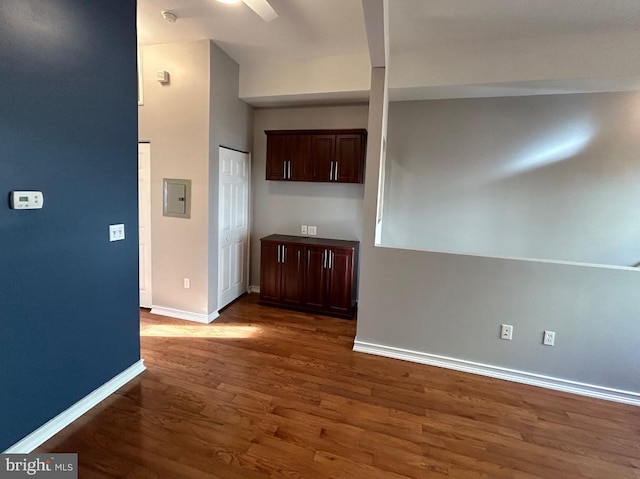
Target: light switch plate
116	232
312	230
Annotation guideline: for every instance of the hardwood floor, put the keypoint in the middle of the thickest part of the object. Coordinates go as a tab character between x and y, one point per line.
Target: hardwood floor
266	393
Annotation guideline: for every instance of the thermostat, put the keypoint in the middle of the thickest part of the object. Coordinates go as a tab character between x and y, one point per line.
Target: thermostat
26	200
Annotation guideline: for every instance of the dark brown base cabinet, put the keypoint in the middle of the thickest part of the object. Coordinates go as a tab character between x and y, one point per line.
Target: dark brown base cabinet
309	274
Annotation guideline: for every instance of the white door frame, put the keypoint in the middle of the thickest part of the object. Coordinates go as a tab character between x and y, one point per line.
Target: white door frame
250	222
144	226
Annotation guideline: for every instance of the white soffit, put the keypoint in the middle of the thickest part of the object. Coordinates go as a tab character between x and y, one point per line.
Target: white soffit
523	88
474	48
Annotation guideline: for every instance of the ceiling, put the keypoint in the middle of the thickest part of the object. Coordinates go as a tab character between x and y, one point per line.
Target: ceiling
438	48
305	29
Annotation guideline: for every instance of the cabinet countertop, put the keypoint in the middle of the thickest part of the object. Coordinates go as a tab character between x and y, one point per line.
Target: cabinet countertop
311	240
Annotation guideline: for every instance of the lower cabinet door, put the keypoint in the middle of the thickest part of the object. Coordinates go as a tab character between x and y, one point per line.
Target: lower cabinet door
315	275
292	274
339	298
270	272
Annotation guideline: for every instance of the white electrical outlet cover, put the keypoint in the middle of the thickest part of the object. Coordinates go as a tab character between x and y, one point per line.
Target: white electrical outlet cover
506	332
312	230
549	338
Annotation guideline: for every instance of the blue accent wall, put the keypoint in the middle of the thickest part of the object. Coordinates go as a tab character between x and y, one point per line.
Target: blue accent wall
68	127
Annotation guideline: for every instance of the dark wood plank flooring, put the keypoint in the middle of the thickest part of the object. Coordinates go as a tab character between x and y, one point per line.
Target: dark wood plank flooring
267	393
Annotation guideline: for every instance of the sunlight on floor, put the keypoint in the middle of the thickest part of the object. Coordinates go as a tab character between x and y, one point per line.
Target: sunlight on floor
233	331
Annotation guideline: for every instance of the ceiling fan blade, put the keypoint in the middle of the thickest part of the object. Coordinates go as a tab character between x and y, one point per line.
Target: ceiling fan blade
263	9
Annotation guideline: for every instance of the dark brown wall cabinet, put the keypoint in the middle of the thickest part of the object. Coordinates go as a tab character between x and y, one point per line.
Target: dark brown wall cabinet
310	274
336	156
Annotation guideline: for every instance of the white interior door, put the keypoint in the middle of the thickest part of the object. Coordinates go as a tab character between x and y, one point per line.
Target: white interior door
233	223
144	221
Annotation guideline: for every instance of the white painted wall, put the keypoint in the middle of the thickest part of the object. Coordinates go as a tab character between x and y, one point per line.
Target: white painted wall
601	57
548	177
336	78
231	125
175	119
452	305
281	207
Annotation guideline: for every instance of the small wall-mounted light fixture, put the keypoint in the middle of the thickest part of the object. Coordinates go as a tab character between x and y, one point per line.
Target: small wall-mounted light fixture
162	76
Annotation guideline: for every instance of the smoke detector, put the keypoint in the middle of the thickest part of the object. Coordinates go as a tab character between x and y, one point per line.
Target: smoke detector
169	16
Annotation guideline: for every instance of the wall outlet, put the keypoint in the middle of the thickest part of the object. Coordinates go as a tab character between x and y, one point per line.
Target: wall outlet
187	283
549	338
312	230
506	332
303	229
116	232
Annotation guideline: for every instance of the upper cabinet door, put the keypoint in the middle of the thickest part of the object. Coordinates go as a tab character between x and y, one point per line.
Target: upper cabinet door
298	168
277	155
322	157
349	165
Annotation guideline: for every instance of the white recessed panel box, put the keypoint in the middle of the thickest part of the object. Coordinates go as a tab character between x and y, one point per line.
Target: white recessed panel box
177	198
26	200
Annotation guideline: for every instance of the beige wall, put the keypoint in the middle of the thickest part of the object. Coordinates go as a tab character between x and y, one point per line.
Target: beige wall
175	119
186	121
588	60
337	77
281	207
231	122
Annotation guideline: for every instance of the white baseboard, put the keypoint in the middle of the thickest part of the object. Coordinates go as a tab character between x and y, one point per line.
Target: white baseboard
254	289
186	315
582	389
62	420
